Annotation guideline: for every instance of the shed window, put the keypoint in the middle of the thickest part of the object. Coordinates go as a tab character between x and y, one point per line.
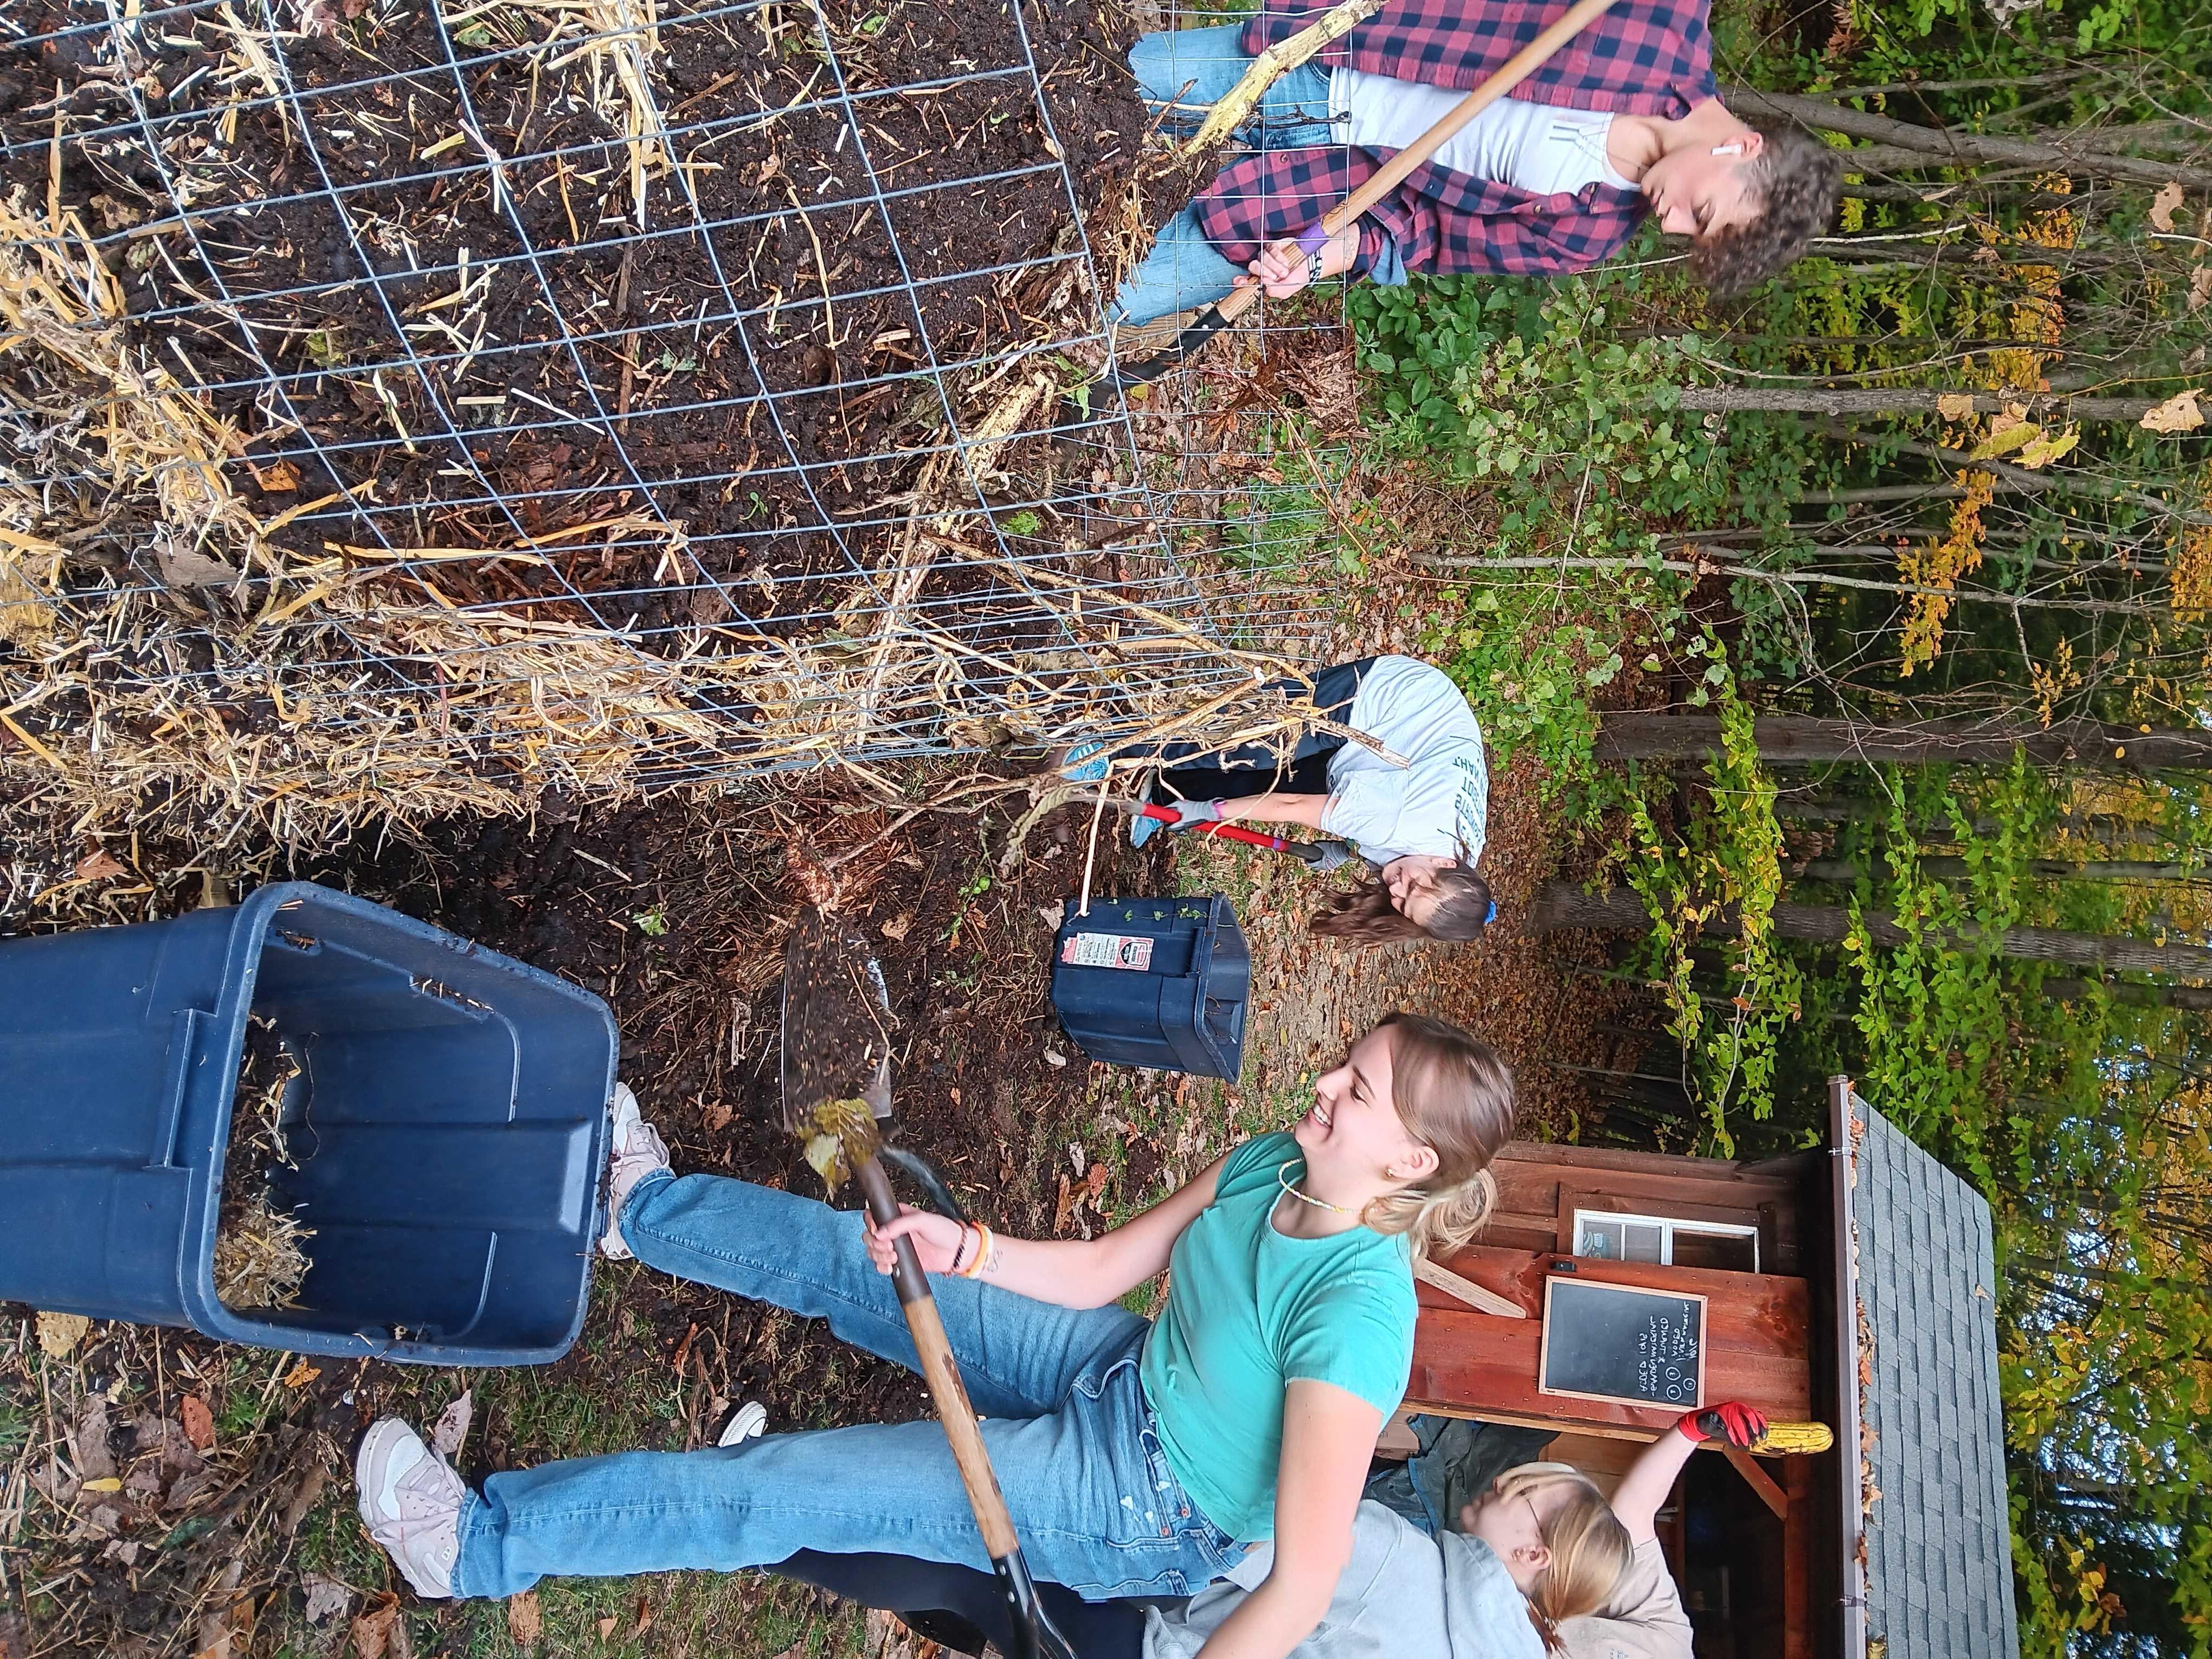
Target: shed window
1666	1243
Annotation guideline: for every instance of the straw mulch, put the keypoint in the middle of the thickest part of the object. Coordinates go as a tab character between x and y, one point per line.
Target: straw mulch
260	1251
164	660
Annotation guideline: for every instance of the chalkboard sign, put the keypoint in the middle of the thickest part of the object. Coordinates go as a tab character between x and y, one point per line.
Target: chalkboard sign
1623	1342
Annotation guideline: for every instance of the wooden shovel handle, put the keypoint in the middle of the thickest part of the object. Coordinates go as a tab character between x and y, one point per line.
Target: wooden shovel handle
942	1373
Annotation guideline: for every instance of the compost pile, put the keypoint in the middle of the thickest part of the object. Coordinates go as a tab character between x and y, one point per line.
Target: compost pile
422	407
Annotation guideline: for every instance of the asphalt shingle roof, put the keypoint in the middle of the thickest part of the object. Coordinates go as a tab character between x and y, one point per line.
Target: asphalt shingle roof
1939	1552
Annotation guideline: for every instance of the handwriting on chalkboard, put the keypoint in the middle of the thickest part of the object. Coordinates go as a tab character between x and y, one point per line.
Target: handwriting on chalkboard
1667	1356
1623	1342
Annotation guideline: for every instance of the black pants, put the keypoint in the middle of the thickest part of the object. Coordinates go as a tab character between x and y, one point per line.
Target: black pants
1192	771
962	1607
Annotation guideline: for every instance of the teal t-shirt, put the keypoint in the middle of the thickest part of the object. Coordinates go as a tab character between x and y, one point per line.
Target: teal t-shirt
1250	1312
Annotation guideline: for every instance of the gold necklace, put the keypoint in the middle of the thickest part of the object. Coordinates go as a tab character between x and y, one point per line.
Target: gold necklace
1283	1180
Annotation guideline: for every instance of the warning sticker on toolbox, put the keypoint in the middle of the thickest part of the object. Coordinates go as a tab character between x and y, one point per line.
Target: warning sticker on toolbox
1107	950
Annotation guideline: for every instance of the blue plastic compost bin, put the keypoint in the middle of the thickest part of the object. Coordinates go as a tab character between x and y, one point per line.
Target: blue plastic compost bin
449	1125
1160	982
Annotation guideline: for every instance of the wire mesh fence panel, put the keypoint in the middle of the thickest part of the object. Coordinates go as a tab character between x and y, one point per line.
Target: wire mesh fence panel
411	406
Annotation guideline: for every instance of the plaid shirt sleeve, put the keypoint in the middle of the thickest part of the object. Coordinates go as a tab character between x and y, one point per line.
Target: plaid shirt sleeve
1444	222
1641	58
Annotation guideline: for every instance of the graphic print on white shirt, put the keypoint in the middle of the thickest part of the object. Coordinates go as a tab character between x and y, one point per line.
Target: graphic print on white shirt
1544	149
1439	803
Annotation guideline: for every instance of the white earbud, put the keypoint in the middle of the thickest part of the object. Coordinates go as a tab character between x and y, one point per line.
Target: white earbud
1728	149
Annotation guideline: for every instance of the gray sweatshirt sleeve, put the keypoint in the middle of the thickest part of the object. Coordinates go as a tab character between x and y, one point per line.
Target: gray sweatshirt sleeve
1389	1602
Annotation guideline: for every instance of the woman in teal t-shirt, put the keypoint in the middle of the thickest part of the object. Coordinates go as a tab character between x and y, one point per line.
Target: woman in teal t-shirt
1136	1457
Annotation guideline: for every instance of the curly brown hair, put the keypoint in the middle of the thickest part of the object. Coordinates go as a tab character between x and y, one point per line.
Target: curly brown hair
1796	178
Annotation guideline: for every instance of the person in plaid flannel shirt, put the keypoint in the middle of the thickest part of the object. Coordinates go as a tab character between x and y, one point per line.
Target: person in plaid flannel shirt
1623	121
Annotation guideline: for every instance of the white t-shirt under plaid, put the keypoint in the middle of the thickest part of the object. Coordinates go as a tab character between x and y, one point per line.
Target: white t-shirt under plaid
1439	803
1544	149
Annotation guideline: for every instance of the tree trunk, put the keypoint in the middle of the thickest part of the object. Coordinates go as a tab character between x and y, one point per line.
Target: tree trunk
1562	905
2195	998
1947	148
2068	482
1951	869
1903	400
1853	497
2101	827
1707	559
1802	739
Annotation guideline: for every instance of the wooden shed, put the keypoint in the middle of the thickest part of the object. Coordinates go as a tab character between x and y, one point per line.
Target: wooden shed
1849	1285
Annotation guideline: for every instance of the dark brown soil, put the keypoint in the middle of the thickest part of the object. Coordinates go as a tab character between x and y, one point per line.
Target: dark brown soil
679	916
752	363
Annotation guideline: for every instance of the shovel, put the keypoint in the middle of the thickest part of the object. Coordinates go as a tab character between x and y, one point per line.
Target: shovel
837	1032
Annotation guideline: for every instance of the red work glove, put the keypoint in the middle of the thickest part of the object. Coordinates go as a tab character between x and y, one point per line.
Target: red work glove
1731	1421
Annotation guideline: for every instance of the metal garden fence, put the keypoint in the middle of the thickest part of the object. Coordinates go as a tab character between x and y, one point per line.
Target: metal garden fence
411	406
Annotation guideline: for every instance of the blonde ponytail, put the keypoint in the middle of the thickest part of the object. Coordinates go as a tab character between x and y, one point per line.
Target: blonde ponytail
1591	1551
1455	1095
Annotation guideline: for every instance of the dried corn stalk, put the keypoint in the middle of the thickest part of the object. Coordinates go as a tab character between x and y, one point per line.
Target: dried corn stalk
1271	65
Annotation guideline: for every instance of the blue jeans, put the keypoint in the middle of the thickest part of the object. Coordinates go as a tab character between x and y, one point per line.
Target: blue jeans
1069	1433
1185	72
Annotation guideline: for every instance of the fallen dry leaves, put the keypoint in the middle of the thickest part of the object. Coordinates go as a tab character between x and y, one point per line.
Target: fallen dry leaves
199	1423
60	1333
372	1630
327	1598
2178	413
311	1489
525	1622
2162	206
452	1430
99	866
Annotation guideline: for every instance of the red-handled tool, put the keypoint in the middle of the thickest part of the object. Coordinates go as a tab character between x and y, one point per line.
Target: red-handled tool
1321	854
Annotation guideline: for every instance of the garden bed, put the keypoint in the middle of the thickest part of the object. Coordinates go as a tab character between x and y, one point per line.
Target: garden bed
425	411
684	293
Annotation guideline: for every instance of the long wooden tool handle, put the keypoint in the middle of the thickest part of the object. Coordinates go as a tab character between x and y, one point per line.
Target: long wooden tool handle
1394	172
942	1373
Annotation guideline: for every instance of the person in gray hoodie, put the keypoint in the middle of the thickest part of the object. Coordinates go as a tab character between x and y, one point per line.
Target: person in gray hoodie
1539	1546
1403	1595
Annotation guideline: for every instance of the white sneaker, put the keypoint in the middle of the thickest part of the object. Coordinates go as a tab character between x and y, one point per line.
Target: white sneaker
637	1150
410	1501
748	1422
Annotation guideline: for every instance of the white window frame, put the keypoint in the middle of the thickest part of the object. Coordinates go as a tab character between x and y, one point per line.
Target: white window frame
1668	1227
